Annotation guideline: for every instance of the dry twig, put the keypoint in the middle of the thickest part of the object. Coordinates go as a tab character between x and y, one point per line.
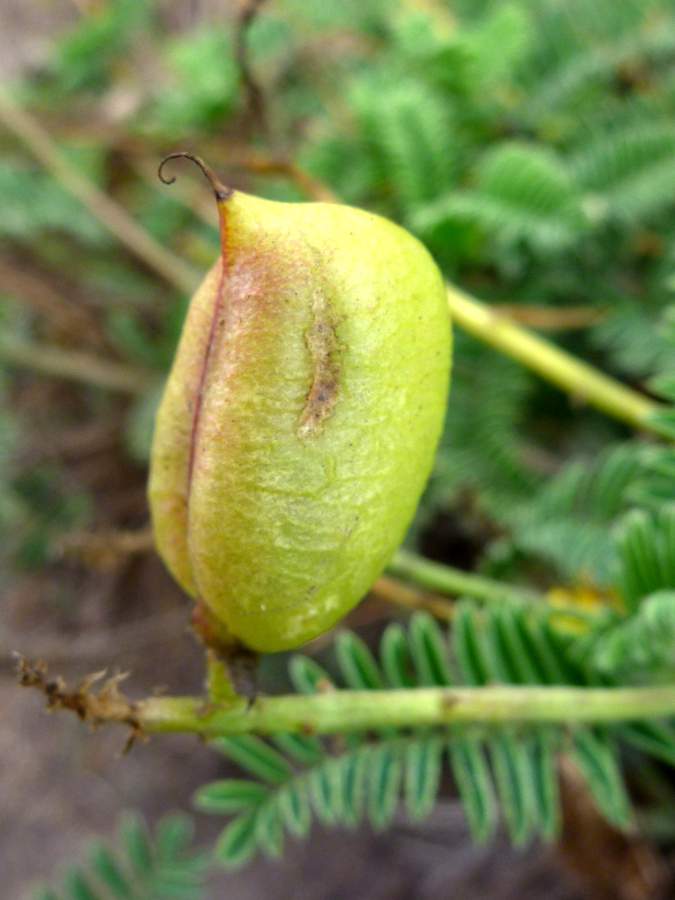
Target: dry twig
113	217
108	705
73	365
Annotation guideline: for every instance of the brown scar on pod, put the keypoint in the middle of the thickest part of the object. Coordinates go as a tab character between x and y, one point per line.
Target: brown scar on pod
323	346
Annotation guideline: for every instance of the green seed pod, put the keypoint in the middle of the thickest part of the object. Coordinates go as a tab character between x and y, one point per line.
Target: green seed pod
301	416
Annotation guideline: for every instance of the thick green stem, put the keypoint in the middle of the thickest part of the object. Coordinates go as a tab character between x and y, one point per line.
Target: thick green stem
447	580
345	711
577	378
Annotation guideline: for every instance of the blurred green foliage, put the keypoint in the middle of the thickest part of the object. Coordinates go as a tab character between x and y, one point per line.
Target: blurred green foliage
140	865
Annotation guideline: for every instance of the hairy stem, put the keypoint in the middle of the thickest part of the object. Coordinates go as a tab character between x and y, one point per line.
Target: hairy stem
577	378
345	711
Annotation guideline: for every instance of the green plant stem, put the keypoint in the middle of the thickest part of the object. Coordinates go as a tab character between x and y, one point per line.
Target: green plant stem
73	366
447	580
346	711
579	379
218	682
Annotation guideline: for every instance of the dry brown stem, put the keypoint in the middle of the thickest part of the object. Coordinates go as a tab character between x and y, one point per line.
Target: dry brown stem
569	318
109	213
73	365
399	594
108	705
105	550
66	319
255	97
261	164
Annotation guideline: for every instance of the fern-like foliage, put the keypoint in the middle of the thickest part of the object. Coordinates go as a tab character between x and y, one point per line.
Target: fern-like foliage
639	647
628	171
632	341
472	62
567	521
646	544
411	136
482	445
139	867
644	644
581	50
297	778
522	193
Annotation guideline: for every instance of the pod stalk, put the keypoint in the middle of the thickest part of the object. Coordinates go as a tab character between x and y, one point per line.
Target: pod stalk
221	191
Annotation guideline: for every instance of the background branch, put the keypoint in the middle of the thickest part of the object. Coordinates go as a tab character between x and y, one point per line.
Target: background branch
112	216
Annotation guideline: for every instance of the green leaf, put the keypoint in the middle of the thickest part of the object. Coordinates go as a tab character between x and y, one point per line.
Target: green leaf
78	886
357	663
597	761
238	842
135	837
325	787
423	758
256	757
33	204
307	675
629	169
110	872
472	775
515	645
231	796
174	834
646	545
207	86
543	752
300	748
654	738
395	657
295	808
465	640
411	133
142	869
429	651
522	193
514	785
384	782
269	829
354	771
84	60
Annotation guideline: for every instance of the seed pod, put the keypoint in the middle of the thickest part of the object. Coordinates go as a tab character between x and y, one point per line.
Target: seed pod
301	416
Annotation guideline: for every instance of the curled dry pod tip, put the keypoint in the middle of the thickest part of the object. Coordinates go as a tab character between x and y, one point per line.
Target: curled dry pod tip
301	416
